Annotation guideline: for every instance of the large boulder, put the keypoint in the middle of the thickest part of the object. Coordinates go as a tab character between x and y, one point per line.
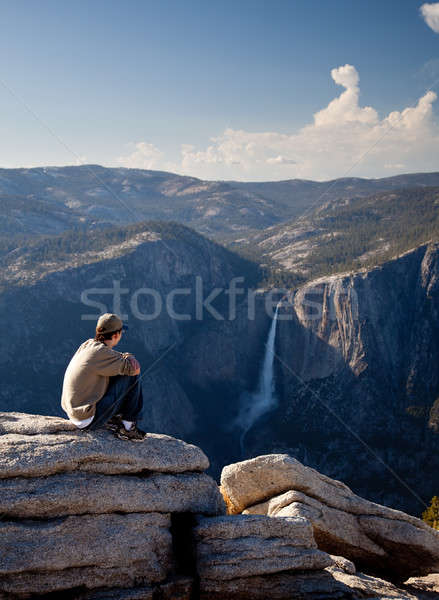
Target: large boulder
379	539
251	481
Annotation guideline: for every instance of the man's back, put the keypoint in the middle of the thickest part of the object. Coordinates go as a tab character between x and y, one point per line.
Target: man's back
87	376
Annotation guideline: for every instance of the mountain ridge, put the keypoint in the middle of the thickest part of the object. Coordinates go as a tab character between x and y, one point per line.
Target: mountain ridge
95	196
348	234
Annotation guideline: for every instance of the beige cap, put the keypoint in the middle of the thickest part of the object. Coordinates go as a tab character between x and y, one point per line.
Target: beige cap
109	322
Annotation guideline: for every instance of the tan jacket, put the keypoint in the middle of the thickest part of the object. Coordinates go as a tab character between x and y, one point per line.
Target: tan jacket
87	376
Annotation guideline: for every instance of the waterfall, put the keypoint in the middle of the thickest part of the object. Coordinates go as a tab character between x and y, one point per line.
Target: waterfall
256	404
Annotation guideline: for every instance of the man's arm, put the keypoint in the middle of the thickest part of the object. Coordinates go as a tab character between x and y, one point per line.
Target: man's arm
109	362
134	363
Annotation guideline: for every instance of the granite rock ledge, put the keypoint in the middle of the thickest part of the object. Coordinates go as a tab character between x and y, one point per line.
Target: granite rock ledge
88	513
87	516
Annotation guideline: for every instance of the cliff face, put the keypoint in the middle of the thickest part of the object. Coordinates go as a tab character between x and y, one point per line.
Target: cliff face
357	375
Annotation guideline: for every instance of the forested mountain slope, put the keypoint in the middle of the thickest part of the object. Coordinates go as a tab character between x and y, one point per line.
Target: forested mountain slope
349	234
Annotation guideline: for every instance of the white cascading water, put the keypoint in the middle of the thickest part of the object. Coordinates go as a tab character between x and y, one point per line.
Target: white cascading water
263	399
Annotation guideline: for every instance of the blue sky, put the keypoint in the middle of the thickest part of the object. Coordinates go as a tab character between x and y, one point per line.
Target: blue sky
220	89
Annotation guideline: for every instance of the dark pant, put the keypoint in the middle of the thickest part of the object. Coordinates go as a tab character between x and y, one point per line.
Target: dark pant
123	396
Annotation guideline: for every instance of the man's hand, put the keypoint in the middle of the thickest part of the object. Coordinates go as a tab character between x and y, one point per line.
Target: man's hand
134	364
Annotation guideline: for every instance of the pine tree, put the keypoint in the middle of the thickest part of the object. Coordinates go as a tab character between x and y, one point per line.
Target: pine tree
431	515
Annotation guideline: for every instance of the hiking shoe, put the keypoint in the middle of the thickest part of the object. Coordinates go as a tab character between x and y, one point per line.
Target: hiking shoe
114	423
134	434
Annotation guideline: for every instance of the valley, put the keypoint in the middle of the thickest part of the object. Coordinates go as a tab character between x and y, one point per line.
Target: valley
352	376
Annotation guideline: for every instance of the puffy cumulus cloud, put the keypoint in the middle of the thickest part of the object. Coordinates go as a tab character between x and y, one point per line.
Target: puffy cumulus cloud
430	12
416	119
235	147
342	139
345	108
346	76
144	156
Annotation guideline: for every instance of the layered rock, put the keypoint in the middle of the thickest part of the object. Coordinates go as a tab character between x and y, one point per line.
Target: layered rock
254	557
237	556
89	544
245	546
375	537
130	532
84	510
264	578
329	584
81	493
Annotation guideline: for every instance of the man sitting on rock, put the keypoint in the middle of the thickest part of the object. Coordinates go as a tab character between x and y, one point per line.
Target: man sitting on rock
101	386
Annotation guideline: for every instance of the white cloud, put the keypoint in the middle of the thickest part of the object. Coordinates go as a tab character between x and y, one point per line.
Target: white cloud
430	12
145	156
345	109
342	139
280	160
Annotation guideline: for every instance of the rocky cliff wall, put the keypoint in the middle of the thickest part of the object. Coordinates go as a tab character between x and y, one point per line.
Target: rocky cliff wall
357	374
